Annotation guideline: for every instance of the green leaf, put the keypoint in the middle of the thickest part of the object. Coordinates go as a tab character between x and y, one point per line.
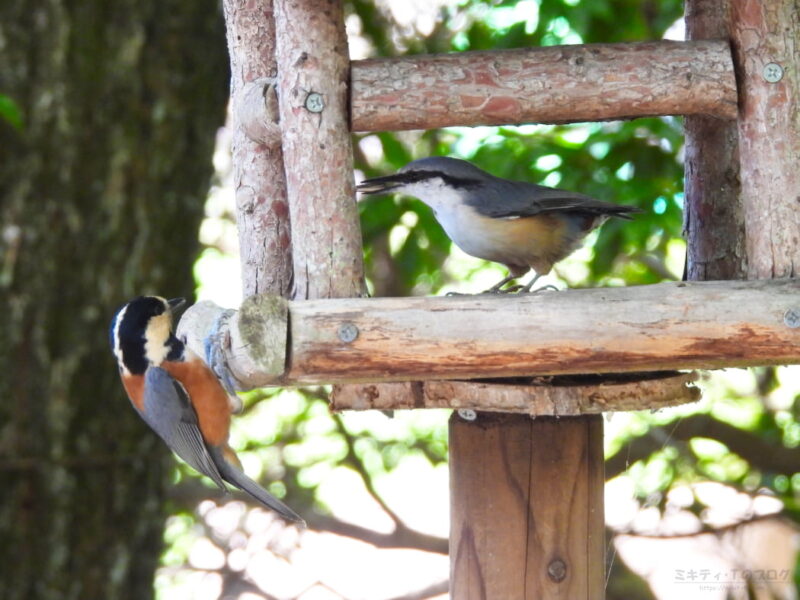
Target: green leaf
10	112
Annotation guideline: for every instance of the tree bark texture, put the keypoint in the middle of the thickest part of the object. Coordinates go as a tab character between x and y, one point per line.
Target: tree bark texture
526	504
101	193
659	327
713	215
764	37
558	84
262	211
313	73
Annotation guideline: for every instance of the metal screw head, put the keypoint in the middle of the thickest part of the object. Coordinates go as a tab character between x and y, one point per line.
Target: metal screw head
792	318
467	414
314	102
773	72
557	570
347	332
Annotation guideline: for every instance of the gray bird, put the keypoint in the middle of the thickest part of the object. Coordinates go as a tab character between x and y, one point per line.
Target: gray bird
521	225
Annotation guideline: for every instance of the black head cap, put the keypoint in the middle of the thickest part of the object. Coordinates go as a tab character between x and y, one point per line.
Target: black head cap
454	172
128	328
446	167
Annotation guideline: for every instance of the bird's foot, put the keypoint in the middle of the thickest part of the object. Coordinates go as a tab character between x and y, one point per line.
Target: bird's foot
490	292
512	289
526	289
544	288
215	344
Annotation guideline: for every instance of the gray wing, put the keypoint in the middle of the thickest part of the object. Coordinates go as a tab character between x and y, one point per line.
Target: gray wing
508	199
169	413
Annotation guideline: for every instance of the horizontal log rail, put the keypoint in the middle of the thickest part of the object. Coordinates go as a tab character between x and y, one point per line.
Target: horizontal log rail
555	84
668	326
560	396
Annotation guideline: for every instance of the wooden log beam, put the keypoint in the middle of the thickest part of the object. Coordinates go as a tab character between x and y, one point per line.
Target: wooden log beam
526	505
667	326
557	84
542	396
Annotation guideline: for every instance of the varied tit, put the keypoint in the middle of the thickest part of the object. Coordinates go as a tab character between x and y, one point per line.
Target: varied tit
521	225
178	396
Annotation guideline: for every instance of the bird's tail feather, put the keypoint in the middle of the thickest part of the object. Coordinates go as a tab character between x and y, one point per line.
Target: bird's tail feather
235	477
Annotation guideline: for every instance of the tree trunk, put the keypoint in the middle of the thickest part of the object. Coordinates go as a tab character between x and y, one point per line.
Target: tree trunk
101	193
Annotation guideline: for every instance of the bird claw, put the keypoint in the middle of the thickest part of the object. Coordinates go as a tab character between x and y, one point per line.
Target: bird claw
491	292
544	288
509	290
214	345
495	291
516	288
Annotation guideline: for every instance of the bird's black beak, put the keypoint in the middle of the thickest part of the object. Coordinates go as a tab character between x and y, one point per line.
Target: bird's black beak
176	303
388	183
381	185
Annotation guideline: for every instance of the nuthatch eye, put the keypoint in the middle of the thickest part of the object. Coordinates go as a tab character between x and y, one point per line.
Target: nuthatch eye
518	224
178	396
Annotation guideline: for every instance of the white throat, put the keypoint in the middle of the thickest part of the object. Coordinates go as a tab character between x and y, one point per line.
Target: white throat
456	218
433	192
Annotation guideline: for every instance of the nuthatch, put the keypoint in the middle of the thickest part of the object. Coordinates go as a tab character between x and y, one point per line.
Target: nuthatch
521	225
178	396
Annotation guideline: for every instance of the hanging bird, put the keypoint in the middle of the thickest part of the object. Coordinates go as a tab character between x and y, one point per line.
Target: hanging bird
521	225
178	396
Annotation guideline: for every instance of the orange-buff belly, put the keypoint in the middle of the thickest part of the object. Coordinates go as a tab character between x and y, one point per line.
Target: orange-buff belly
208	398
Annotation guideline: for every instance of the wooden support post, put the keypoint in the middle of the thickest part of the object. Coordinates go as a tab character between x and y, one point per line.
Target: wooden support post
313	72
262	212
764	38
526	498
714	223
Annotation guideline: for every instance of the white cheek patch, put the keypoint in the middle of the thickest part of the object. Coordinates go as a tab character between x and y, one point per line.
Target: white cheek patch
155	338
434	193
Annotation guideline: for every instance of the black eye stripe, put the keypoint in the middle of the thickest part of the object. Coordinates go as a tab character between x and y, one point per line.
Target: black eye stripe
417	176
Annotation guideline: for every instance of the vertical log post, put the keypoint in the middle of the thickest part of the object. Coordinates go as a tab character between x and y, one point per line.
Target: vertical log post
526	499
764	38
313	72
713	216
741	182
262	212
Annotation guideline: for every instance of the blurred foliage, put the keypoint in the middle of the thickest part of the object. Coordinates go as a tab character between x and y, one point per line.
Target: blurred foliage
10	112
634	162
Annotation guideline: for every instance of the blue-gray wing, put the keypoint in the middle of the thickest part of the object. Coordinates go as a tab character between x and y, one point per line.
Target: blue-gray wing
169	413
507	199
